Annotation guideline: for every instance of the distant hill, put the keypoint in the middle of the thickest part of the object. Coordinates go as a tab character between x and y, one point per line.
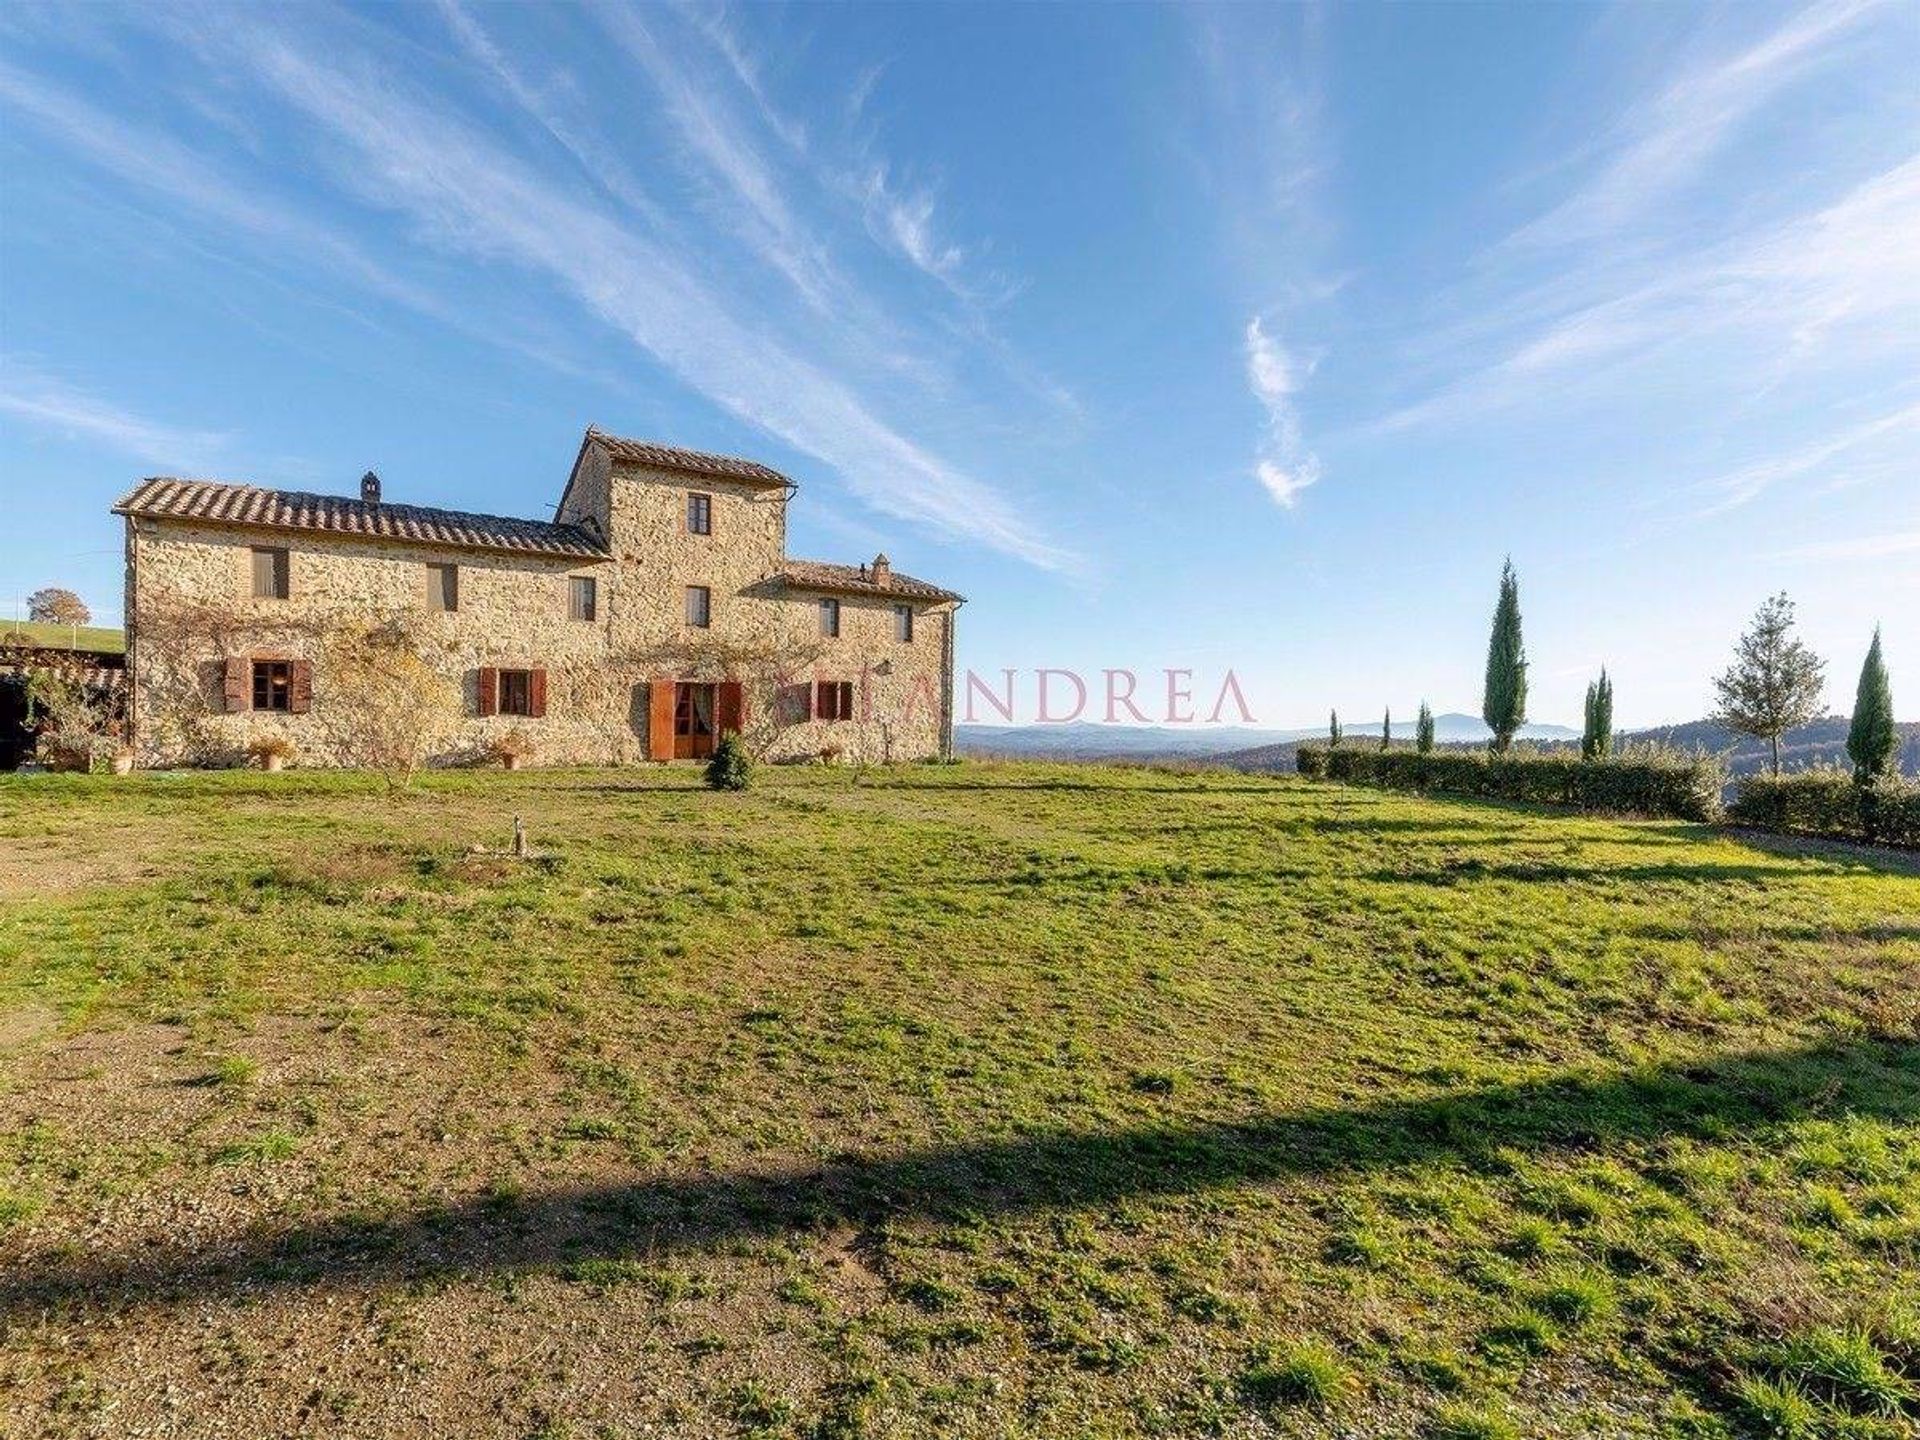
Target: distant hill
1822	742
1084	740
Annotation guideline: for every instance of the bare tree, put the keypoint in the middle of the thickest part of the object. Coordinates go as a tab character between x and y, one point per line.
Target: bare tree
1774	683
391	709
57	606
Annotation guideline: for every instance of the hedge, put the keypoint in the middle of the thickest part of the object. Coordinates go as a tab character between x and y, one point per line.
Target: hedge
1828	803
1648	782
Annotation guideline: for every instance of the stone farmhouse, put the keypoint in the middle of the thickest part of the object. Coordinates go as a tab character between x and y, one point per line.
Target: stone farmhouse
655	611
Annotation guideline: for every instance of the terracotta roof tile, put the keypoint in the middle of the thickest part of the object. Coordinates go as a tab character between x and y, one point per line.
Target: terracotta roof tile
858	580
216	503
693	462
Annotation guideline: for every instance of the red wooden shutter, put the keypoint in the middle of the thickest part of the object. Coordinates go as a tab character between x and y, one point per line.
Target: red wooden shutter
536	694
300	687
660	719
728	709
237	682
487	700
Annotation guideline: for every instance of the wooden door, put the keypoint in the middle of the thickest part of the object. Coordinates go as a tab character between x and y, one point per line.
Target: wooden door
693	721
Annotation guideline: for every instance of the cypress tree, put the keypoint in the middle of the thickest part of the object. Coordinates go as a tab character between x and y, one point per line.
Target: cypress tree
1333	728
1871	738
1603	716
1386	730
1423	730
1504	707
1596	740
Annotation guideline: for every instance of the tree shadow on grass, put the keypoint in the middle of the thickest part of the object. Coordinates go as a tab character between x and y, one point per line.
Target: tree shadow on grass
1556	871
1846	854
998	1177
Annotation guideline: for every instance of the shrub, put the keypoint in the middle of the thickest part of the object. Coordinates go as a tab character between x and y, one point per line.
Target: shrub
1829	803
1643	782
512	747
270	747
729	769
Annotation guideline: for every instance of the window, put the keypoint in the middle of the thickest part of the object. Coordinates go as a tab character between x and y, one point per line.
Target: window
903	623
511	692
699	606
516	692
273	683
699	514
270	573
829	617
834	699
443	587
583	597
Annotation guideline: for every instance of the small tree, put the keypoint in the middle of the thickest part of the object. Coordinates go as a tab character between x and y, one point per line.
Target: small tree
1596	741
729	768
1386	730
57	606
1423	730
1504	706
1774	682
1871	738
1333	729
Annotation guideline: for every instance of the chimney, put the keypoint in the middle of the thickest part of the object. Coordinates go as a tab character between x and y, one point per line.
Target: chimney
882	570
370	489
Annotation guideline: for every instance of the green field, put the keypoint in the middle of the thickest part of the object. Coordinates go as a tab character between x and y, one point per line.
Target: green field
979	1100
93	639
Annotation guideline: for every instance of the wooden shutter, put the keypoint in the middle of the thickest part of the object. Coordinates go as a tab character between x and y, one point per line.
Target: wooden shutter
237	682
487	700
728	710
536	694
300	687
660	719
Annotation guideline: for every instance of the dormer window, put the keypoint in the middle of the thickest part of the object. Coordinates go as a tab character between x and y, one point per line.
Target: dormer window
699	513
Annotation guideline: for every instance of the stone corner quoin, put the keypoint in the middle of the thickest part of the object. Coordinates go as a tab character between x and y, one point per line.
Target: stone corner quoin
656	610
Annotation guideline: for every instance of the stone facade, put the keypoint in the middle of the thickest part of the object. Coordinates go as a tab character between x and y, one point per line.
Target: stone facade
608	682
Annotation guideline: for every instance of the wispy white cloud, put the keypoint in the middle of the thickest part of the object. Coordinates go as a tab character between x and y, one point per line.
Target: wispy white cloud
158	164
1668	139
52	405
295	244
720	142
1863	547
466	195
1285	466
905	221
1854	453
1841	283
596	159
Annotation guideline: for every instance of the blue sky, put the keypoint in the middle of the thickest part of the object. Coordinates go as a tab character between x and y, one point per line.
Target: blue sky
1249	337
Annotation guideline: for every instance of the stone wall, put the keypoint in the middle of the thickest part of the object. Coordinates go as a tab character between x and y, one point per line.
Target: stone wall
194	607
190	606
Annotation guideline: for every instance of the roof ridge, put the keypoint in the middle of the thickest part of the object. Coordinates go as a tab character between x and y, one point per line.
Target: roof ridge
683	457
272	508
858	579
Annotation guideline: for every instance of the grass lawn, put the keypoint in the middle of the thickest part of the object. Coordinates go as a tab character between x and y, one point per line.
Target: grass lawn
983	1100
92	638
